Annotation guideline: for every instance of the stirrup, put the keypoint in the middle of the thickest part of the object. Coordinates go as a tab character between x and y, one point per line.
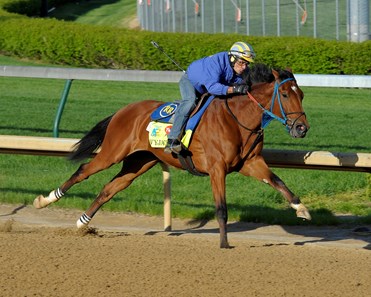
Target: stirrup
173	146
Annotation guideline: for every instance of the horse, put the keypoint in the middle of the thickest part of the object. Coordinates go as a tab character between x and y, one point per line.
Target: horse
229	138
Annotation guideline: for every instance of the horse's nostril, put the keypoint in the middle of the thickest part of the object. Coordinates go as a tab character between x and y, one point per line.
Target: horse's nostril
301	129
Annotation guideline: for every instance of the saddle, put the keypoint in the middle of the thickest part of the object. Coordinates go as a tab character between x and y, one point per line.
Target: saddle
162	119
161	123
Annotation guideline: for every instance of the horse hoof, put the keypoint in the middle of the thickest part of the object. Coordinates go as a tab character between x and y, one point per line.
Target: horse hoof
302	212
40	202
225	245
81	225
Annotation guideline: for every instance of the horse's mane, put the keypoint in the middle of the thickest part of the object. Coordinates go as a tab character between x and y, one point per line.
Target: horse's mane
261	73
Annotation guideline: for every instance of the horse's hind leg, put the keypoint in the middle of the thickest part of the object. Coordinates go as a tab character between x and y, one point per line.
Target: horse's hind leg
98	163
260	170
133	166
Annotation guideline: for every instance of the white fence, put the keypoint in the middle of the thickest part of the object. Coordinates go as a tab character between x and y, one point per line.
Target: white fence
299	159
310	80
70	74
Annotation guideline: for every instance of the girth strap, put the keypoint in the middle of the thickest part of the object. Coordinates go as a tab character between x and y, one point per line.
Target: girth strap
186	160
257	139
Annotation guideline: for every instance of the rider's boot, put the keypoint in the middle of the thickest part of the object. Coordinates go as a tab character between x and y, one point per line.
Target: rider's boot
173	146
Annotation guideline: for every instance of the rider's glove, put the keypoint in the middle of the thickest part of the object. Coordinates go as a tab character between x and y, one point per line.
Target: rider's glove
240	89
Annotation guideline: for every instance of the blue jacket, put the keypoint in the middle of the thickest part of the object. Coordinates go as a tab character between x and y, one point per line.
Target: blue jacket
213	74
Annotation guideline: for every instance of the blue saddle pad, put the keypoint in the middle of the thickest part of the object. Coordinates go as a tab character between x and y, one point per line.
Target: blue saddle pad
194	120
164	112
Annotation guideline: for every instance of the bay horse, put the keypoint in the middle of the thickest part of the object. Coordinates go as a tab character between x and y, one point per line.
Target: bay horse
229	138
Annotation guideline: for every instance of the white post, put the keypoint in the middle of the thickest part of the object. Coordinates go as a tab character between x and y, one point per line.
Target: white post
358	23
167	196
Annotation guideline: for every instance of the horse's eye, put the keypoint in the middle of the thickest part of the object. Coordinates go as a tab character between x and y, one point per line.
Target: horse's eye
284	94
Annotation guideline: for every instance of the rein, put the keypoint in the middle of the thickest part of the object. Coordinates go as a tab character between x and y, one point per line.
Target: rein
237	121
259	133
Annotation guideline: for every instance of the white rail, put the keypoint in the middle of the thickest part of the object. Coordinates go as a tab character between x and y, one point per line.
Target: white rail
50	146
310	80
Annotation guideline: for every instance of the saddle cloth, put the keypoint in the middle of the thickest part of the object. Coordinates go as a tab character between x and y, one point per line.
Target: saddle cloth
162	119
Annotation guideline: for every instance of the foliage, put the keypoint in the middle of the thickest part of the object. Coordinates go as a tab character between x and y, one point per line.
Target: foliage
29	7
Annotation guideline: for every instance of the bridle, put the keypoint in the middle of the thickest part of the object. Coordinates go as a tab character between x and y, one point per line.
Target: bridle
268	115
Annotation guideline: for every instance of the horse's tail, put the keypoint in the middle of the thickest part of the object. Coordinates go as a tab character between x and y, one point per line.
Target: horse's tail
90	142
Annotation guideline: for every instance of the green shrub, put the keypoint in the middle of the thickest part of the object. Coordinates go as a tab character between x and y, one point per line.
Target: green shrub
60	42
24	7
30	7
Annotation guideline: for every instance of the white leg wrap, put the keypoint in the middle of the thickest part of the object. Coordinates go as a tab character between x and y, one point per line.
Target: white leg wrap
295	206
83	221
301	211
52	198
41	201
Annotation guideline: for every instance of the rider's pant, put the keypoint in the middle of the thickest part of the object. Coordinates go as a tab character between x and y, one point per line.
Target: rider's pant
187	104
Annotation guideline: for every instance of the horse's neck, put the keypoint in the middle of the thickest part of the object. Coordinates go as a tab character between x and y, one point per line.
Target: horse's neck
247	110
243	113
262	92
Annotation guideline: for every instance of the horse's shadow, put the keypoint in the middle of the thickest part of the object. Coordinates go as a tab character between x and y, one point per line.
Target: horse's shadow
306	233
309	234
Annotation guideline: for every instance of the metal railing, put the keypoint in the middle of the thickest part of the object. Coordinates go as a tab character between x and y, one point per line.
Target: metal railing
330	19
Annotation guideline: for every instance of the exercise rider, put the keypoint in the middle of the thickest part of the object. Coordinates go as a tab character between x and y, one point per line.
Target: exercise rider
219	74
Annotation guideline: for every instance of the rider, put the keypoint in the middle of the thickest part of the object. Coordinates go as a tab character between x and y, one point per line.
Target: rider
219	74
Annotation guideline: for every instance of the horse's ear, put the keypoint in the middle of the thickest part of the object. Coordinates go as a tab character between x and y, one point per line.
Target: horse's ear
289	69
276	74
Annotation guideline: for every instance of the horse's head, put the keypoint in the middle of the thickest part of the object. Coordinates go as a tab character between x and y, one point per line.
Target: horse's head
287	103
282	101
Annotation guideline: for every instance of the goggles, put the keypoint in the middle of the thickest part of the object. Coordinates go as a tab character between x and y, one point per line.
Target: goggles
245	54
242	63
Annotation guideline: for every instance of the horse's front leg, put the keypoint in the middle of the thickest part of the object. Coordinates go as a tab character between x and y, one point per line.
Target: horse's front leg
260	170
217	179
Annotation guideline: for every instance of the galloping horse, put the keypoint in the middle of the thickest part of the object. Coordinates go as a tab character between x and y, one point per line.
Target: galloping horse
229	138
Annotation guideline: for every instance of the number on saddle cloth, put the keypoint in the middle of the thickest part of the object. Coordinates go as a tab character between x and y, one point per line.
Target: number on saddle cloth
165	112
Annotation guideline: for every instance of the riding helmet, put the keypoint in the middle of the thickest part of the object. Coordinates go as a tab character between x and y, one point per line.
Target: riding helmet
241	50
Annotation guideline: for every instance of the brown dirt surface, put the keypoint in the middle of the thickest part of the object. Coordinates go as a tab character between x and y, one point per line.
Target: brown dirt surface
43	254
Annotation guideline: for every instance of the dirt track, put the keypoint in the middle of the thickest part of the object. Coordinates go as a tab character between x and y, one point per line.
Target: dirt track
42	254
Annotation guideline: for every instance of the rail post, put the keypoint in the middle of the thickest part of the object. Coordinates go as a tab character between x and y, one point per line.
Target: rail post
167	196
62	103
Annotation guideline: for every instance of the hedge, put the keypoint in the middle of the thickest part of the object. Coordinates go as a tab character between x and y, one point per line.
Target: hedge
78	45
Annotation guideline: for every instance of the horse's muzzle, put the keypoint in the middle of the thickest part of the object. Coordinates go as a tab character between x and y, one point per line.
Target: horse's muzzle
299	130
